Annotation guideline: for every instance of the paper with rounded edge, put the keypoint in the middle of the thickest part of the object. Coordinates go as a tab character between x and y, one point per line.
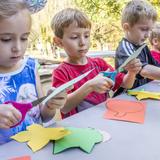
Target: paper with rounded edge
106	135
125	110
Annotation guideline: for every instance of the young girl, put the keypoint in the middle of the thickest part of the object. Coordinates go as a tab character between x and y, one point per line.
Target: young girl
19	80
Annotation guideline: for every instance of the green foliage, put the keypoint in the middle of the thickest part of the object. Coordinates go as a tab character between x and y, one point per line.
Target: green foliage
105	16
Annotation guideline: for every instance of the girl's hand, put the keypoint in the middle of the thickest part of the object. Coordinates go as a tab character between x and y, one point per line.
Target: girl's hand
9	116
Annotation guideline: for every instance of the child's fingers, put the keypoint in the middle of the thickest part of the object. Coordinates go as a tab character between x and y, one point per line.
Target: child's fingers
17	116
133	62
109	81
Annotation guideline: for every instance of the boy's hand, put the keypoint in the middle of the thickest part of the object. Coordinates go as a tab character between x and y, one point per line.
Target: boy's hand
58	101
9	116
134	66
100	84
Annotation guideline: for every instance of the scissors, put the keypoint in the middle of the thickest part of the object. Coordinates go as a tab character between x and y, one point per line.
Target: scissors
25	107
112	74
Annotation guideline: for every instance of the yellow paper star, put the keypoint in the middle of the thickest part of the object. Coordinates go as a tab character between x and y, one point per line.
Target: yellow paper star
38	136
144	94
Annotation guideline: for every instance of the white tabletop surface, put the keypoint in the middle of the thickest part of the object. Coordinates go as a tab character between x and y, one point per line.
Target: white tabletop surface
130	141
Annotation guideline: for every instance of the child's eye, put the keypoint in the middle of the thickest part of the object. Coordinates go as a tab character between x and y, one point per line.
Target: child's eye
74	37
5	39
145	29
24	39
86	36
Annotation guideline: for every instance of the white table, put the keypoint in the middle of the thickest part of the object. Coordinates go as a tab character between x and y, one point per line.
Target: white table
130	141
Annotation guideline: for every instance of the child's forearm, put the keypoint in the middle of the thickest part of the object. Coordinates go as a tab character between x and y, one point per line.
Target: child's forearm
76	98
151	72
128	80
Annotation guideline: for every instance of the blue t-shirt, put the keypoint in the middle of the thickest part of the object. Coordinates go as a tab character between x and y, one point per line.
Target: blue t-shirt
20	86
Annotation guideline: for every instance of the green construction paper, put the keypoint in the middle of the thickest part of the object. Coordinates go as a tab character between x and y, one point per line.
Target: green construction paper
85	138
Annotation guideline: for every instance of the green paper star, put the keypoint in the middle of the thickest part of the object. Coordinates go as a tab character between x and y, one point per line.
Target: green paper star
85	138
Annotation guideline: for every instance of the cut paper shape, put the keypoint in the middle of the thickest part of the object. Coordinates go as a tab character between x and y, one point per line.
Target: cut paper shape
21	158
85	138
38	136
125	110
144	94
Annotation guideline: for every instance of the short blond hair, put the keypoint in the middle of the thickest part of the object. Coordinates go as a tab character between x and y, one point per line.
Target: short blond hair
155	33
137	10
11	7
66	17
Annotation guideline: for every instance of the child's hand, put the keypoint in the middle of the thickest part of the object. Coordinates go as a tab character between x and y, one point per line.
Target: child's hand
9	116
100	84
134	66
58	101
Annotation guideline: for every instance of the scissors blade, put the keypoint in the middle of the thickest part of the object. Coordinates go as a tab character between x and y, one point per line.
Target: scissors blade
134	55
61	88
38	101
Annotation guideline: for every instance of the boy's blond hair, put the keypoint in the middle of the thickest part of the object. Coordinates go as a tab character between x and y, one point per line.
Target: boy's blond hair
11	7
137	10
155	33
66	17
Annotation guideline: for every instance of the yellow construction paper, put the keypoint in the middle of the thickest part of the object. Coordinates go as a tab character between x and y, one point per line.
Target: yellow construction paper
144	94
38	136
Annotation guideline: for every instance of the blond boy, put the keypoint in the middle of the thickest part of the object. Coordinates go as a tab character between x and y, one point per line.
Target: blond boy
138	18
72	33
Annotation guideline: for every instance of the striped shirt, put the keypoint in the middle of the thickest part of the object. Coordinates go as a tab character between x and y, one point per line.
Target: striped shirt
125	49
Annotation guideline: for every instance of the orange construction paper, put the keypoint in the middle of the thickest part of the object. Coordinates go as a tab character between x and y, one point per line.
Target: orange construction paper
21	158
125	110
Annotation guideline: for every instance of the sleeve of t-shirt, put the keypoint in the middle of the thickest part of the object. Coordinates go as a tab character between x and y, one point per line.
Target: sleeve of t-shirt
58	78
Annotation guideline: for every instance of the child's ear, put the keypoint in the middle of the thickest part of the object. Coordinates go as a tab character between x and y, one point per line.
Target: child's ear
155	41
126	26
58	41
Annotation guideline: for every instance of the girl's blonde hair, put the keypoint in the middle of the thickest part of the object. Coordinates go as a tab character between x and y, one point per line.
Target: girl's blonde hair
66	17
137	10
155	33
11	7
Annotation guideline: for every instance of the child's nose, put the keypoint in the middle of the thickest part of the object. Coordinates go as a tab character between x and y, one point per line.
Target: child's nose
146	35
16	47
82	41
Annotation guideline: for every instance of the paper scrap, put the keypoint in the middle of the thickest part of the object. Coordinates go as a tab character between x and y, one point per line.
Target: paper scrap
21	158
